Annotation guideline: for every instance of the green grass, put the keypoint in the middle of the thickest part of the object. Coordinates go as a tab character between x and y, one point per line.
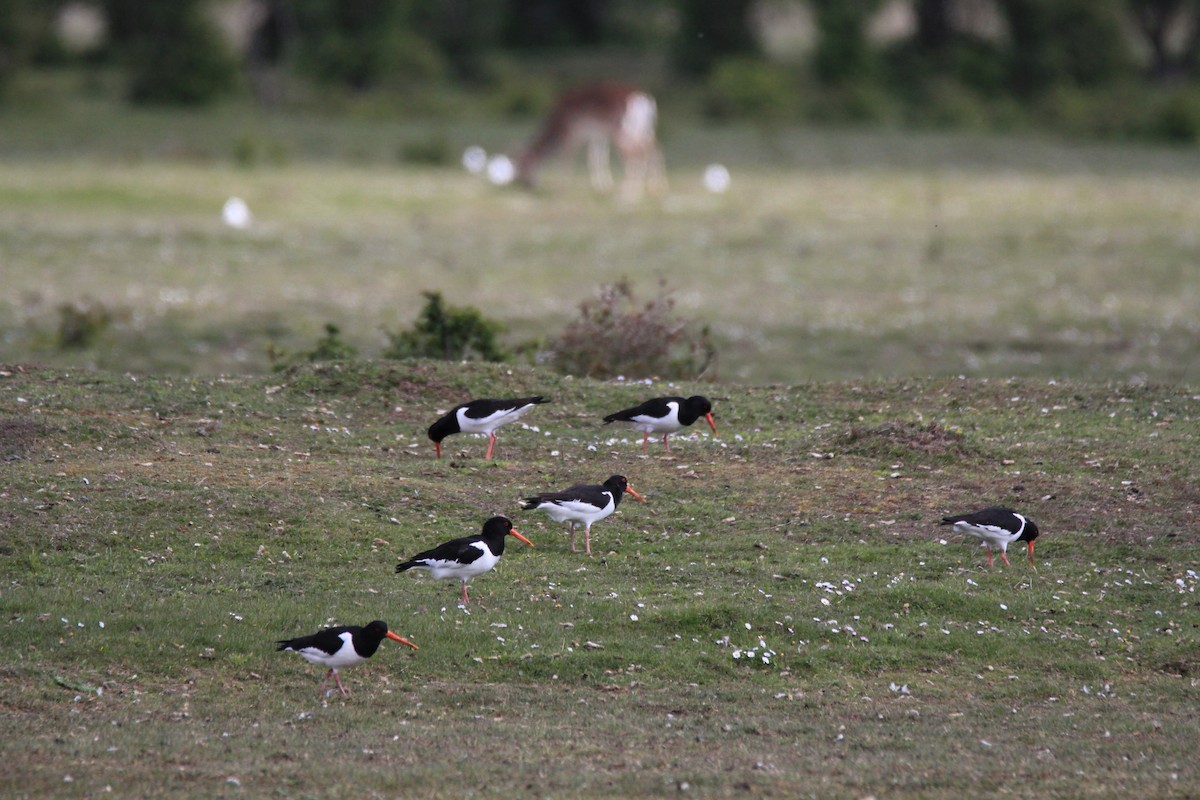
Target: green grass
200	519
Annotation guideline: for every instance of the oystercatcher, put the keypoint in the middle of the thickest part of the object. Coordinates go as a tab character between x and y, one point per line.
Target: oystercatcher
586	503
665	415
343	646
996	528
467	556
481	416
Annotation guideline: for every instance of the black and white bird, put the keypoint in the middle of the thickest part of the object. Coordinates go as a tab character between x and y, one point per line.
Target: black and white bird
665	415
585	503
468	556
481	416
343	646
996	528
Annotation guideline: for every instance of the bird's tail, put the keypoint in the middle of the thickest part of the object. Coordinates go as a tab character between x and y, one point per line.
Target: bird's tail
950	520
531	503
284	644
404	566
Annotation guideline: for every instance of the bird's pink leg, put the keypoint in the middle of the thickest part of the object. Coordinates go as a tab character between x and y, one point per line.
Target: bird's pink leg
571	529
989	556
1004	555
645	439
665	443
327	674
491	445
337	678
464	592
587	538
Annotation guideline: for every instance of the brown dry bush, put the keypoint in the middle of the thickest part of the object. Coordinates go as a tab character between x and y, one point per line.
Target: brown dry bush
617	334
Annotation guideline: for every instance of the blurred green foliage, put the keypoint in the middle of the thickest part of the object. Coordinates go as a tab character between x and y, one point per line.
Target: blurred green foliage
447	333
955	63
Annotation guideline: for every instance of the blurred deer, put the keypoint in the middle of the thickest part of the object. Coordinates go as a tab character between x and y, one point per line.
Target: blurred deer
602	116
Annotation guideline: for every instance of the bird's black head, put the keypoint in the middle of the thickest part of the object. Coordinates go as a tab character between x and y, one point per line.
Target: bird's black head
498	525
496	528
700	404
1031	531
376	629
443	428
617	484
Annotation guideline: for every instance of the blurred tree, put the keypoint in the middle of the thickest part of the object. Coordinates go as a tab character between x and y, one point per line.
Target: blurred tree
22	25
1160	22
935	28
944	51
1067	42
843	54
348	42
365	44
541	23
711	31
172	51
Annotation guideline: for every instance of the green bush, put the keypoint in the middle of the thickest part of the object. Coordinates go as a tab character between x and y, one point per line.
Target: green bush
331	346
430	150
752	89
20	23
1176	118
173	53
447	333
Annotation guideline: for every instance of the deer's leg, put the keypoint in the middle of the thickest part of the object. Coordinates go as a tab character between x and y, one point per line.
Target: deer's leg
598	164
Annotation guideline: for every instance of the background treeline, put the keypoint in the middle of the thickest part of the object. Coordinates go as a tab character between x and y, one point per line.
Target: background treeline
1116	68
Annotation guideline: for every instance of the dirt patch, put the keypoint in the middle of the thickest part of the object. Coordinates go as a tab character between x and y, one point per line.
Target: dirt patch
17	436
931	438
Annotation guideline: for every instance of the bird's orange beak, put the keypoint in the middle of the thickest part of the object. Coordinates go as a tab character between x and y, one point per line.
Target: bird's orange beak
437	446
516	533
1030	545
401	640
630	490
712	424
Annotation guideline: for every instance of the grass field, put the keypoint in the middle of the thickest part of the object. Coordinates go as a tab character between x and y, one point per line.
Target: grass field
783	618
908	326
836	254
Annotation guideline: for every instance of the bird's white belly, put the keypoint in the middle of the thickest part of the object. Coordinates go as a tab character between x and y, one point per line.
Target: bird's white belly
346	657
577	512
453	569
490	423
668	424
987	535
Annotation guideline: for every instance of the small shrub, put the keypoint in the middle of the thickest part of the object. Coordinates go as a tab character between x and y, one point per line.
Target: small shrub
616	334
1177	119
250	150
81	323
447	333
751	89
331	346
432	150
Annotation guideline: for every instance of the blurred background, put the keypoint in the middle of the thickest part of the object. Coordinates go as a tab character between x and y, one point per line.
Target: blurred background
909	187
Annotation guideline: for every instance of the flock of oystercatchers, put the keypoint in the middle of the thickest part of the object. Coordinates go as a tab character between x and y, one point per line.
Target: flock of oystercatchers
583	504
